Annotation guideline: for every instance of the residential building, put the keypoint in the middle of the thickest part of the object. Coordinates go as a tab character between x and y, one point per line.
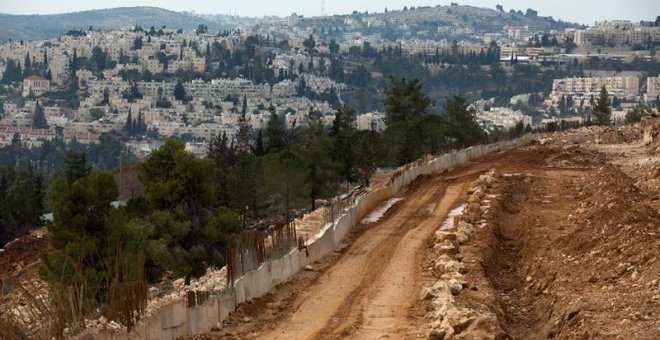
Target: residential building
35	85
652	89
620	87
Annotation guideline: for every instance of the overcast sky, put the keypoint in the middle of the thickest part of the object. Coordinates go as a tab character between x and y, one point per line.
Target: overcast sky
580	11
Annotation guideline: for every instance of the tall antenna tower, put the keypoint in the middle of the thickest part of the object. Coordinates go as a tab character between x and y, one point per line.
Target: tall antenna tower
322	8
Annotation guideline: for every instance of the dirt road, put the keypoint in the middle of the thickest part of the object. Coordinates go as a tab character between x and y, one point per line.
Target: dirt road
372	289
368	290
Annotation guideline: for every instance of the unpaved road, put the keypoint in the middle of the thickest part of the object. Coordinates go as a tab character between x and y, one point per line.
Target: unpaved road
368	289
372	290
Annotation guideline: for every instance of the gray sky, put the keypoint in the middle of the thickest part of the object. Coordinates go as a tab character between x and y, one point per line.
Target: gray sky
580	11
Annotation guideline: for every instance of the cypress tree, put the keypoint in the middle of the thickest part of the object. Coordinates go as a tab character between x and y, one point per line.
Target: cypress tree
244	104
74	62
27	64
141	126
129	123
259	147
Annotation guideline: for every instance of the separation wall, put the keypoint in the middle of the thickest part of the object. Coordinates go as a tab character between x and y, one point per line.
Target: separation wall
177	319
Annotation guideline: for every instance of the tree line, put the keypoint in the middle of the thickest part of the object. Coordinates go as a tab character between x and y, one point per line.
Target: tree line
27	173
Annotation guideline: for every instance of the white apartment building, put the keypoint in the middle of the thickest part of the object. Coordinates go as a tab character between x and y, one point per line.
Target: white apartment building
618	32
153	65
59	69
502	118
371	120
620	87
321	84
652	89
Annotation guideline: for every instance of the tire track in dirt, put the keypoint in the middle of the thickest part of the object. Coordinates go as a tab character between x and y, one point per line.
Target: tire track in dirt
389	301
370	292
331	308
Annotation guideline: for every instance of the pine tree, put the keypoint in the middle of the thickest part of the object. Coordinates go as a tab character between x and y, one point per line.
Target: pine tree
275	134
39	119
179	91
33	204
76	166
13	73
83	234
405	107
321	169
562	105
341	132
602	108
6	222
189	232
223	155
302	86
137	42
462	125
364	149
243	136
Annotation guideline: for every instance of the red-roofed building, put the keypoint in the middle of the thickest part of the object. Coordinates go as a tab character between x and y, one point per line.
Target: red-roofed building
30	137
83	138
35	84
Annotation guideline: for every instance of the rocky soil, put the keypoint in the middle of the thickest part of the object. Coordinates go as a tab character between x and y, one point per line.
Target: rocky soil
567	249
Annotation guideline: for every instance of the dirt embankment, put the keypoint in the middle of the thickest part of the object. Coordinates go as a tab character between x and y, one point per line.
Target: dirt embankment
651	134
568	248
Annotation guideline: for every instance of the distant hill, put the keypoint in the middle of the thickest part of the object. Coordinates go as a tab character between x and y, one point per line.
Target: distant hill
33	27
427	19
477	17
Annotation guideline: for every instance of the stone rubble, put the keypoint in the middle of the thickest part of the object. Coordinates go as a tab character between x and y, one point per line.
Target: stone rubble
449	321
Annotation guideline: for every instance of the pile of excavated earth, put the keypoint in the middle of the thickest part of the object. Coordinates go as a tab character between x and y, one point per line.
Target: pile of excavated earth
568	250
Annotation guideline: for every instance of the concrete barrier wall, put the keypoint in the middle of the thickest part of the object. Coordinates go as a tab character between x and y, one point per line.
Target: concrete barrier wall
176	319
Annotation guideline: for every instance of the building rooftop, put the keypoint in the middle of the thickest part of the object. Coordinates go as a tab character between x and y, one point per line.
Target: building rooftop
35	78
